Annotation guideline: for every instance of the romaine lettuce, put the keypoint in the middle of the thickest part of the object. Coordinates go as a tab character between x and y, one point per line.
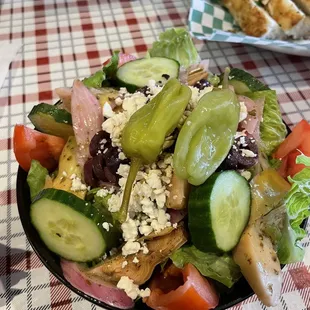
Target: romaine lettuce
176	43
36	178
282	225
272	129
221	268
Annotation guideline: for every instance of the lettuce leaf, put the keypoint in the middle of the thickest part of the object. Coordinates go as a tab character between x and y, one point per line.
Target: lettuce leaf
95	80
107	73
221	268
303	159
282	225
111	67
176	43
36	178
272	129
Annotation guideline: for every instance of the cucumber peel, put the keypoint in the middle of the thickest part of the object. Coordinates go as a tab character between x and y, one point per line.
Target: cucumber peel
51	120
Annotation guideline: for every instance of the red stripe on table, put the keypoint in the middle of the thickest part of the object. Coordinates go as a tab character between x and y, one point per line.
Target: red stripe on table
305	295
60	295
288	283
301	277
5	144
7	197
79	28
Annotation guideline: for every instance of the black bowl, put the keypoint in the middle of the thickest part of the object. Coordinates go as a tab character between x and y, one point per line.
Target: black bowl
228	297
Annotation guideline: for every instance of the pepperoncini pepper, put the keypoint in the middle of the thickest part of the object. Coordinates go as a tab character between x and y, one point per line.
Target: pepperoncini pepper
207	135
145	133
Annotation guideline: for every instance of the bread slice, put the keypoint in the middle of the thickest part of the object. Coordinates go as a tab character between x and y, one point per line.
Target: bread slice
253	20
304	5
290	18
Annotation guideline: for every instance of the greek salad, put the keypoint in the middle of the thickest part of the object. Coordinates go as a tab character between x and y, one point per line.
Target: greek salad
156	180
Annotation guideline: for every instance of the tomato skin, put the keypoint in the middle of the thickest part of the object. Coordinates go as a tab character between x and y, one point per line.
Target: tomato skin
294	140
30	144
296	143
123	58
292	167
195	293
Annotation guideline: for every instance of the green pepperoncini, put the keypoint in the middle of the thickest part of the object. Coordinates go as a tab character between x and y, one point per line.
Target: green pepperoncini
145	133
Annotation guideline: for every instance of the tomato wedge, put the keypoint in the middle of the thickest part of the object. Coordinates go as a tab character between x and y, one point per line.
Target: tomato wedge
31	144
292	167
123	58
294	140
184	289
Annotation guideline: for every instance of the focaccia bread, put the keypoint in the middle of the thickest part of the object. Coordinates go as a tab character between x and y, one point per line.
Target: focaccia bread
253	19
289	17
304	5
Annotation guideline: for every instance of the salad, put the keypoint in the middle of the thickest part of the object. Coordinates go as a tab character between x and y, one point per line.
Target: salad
156	180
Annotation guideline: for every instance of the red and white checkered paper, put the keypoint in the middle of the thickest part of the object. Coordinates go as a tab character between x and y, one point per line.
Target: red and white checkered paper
65	39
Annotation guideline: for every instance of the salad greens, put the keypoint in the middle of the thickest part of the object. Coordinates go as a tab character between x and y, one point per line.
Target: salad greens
177	44
221	268
303	159
95	80
107	73
283	223
272	129
36	178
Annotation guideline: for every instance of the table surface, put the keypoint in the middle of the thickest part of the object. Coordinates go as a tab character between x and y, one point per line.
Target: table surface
66	39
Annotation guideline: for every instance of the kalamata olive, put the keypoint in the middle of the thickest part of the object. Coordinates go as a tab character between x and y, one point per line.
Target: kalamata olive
113	161
109	152
98	167
243	154
94	145
201	84
110	176
89	177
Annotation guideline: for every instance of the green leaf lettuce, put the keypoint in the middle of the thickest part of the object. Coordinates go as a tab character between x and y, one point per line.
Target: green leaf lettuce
221	268
36	178
283	224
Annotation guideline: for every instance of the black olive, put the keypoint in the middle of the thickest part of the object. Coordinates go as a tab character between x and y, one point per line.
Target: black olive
166	76
98	167
201	84
94	145
237	158
89	176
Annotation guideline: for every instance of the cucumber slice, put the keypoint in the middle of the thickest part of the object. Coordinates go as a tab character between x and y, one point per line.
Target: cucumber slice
244	82
51	120
137	73
71	227
219	210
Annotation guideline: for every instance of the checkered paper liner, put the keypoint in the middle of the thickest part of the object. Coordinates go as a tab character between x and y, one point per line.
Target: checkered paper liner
210	20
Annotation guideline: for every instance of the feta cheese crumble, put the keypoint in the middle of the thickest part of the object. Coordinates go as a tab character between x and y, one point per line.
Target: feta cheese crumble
247	153
135	260
106	226
131	289
77	184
